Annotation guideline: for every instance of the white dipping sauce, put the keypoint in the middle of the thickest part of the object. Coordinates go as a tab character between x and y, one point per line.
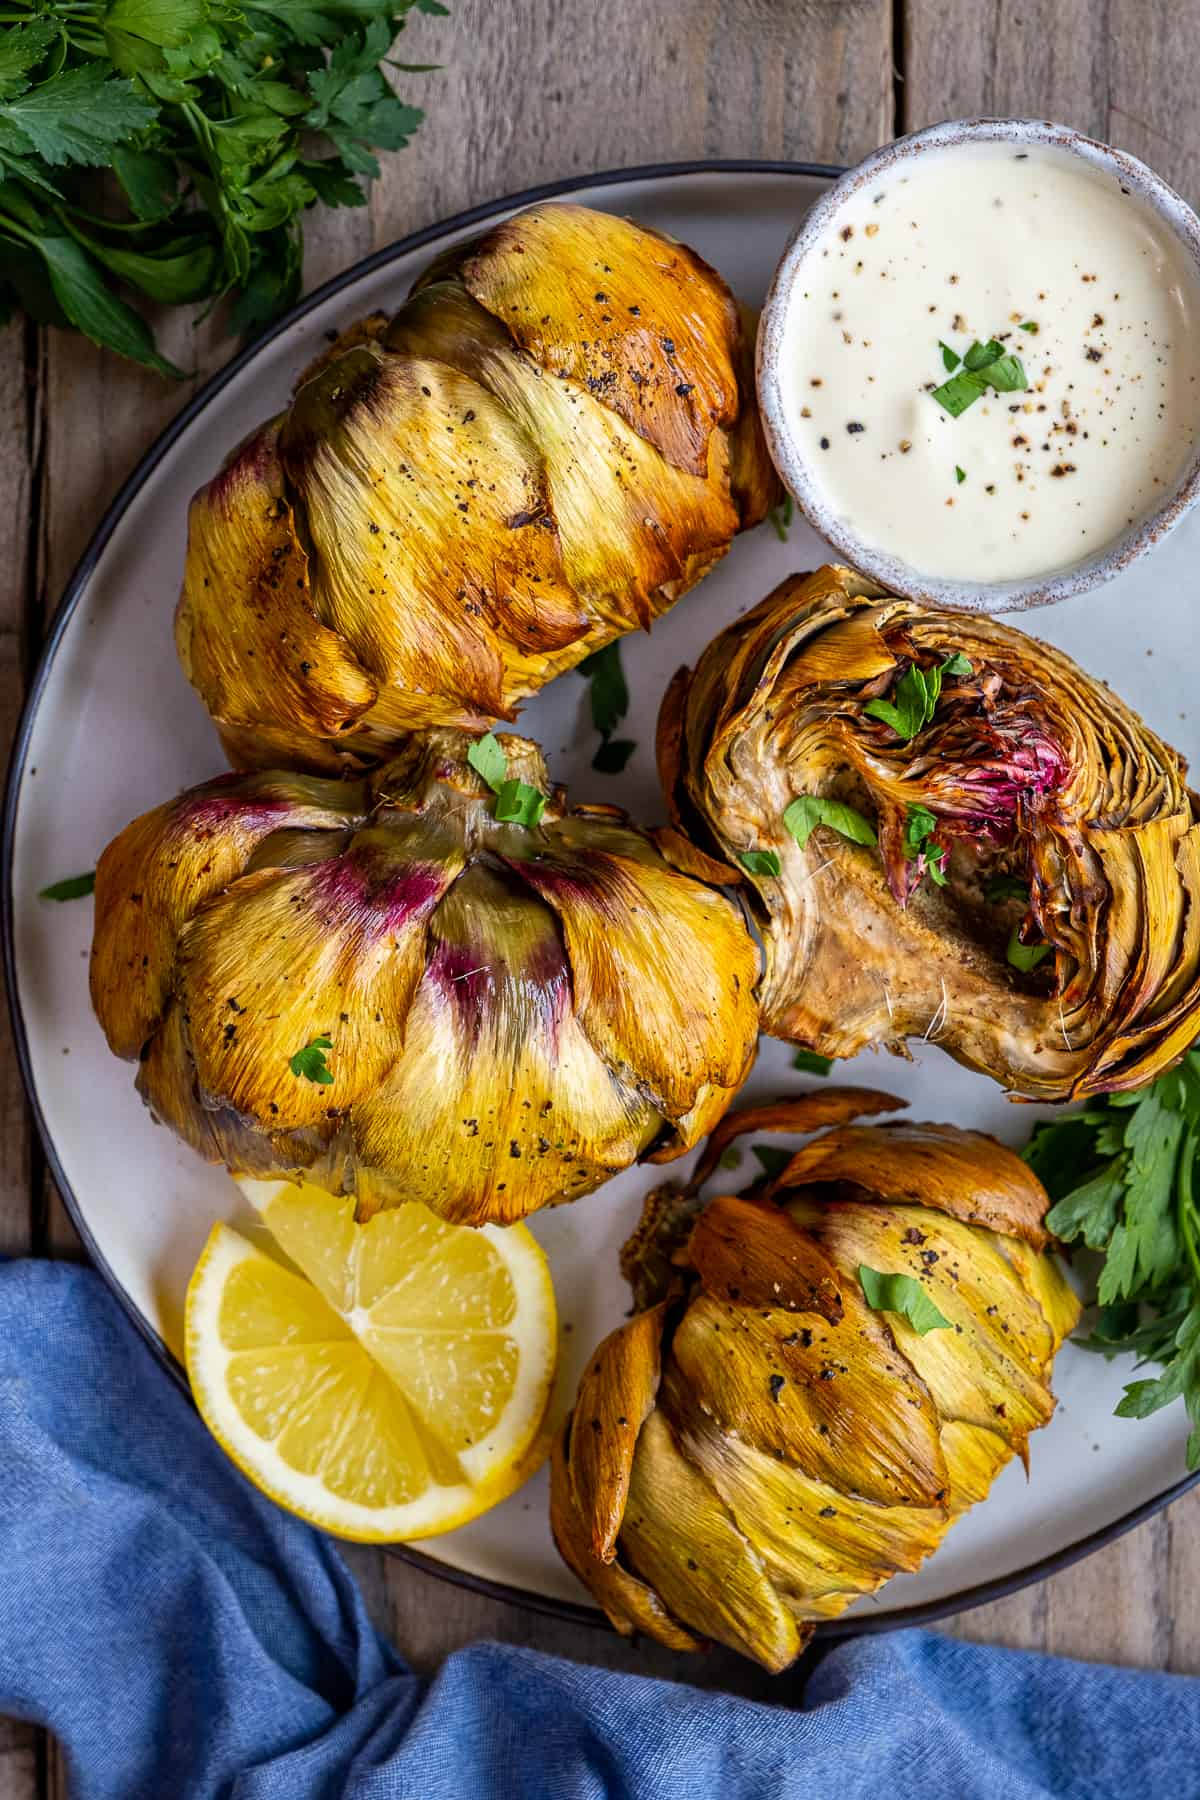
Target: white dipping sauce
963	245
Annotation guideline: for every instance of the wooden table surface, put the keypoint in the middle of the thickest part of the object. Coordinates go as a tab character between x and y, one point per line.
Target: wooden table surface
530	91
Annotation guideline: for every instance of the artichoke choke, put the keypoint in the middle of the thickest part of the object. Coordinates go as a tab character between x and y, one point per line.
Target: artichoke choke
760	1444
381	984
946	830
552	440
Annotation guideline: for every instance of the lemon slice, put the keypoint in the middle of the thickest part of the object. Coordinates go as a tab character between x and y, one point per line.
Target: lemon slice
393	1383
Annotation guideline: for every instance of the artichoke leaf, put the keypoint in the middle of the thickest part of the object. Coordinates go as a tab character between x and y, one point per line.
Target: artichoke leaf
965	1174
168	863
245	627
747	1251
630	1604
524	1112
630	315
838	1402
679	1536
616	1394
655	961
798	1114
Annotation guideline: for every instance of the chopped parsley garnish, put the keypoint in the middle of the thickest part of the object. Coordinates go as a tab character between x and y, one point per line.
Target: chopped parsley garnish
960	475
781	517
916	696
904	1295
74	887
1024	956
729	1159
1030	325
309	1063
919	828
811	1063
760	862
807	811
1123	1177
950	358
773	1160
984	366
516	802
608	693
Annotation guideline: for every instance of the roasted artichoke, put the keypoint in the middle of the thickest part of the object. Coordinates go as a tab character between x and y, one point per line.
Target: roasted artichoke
553	439
380	983
946	830
759	1444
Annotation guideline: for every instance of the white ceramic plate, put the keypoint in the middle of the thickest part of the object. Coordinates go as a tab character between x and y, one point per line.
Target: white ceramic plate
112	728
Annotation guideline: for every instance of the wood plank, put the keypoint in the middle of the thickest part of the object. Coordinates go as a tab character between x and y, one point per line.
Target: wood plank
544	90
1049	59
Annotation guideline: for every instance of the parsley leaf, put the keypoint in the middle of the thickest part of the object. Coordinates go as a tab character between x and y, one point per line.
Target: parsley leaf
1030	325
807	811
1123	1177
904	1295
730	1158
773	1159
1024	956
759	862
984	366
950	358
811	1063
916	695
960	475
309	1064
488	760
223	125
517	803
609	698
781	517
75	887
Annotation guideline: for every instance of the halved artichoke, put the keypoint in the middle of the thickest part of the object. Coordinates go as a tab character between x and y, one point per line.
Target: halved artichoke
1029	812
758	1446
379	983
552	440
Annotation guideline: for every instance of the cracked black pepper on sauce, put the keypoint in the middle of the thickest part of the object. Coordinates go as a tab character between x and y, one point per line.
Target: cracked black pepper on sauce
1063	269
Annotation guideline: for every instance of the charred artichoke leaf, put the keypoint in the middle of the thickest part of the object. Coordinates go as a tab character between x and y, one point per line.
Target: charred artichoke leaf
799	1113
630	1604
616	1395
821	1545
682	1539
246	627
989	1369
345	939
154	875
966	1174
838	1402
630	315
524	1110
426	572
743	1251
632	529
655	963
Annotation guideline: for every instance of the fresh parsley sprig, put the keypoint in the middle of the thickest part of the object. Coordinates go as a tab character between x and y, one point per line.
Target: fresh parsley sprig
1124	1180
221	124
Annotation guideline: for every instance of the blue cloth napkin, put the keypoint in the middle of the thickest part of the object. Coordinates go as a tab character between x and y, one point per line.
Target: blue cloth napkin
184	1639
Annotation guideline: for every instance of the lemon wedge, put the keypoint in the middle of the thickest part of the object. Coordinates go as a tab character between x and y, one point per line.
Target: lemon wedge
392	1383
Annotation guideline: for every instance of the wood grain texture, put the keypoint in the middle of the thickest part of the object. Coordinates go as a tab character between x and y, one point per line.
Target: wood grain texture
527	94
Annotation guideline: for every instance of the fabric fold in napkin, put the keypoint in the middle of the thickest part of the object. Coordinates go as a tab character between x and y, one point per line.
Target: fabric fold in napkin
186	1640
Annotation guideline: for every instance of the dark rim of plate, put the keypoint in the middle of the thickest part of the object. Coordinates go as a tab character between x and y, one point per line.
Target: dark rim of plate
497	1590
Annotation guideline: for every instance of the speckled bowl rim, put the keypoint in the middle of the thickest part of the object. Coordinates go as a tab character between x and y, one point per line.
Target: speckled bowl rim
891	571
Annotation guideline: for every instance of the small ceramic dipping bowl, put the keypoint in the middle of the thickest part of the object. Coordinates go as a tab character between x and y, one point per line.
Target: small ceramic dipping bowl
981	562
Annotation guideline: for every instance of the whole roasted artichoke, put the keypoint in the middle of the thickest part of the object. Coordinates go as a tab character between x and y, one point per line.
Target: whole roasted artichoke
553	439
824	1373
385	985
947	830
